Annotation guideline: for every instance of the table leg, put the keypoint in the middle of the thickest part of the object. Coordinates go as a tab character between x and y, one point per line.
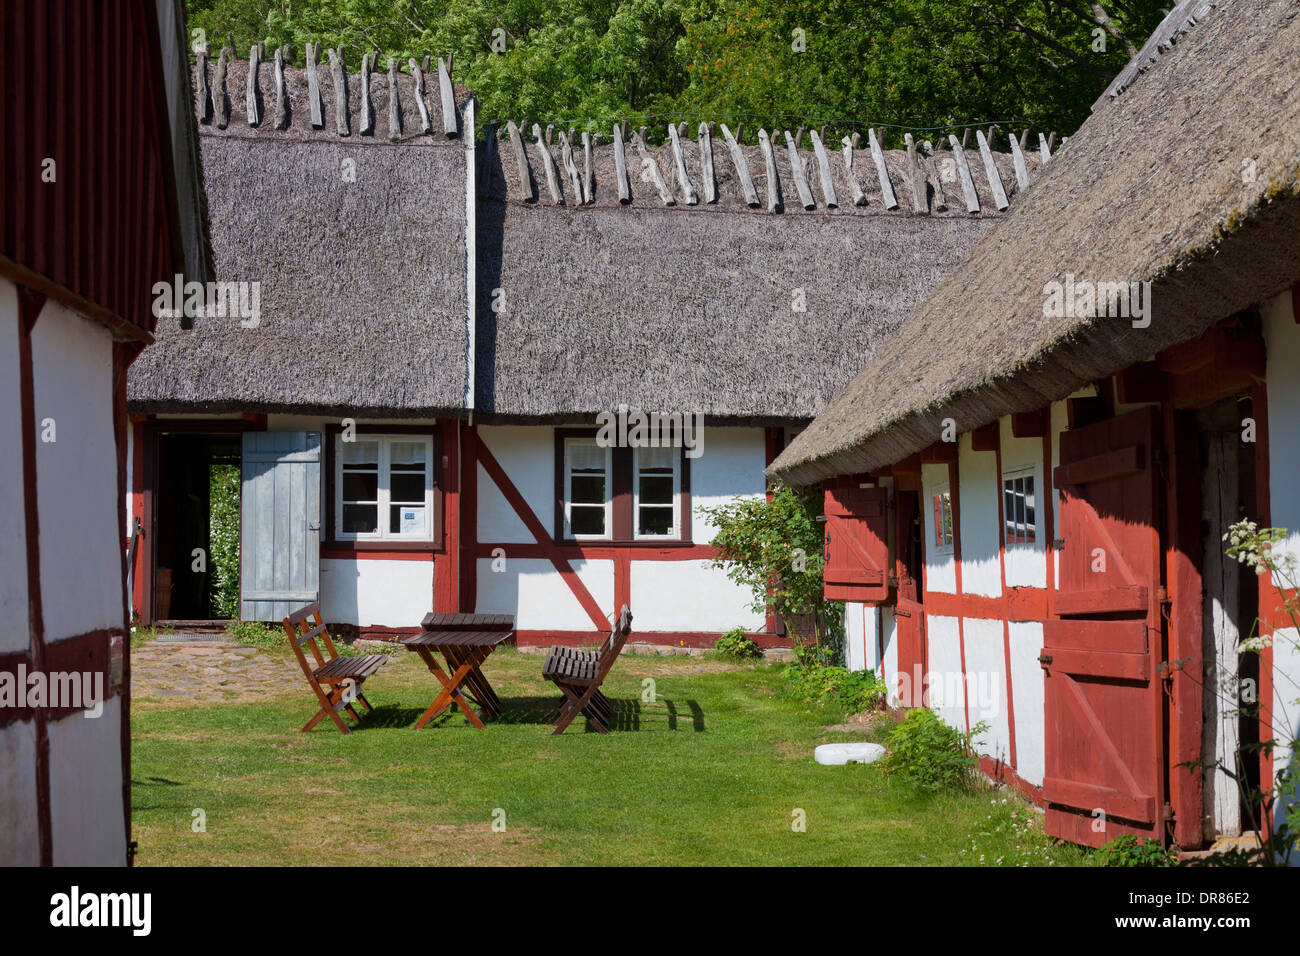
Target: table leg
450	691
477	682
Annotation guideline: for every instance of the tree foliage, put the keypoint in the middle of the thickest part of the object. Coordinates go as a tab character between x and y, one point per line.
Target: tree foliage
774	549
922	64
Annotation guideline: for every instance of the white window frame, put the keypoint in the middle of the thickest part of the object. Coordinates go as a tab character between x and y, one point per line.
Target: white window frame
931	539
1030	472
676	533
384	491
568	491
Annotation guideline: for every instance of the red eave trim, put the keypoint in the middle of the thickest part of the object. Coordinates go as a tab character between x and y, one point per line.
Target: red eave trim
47	287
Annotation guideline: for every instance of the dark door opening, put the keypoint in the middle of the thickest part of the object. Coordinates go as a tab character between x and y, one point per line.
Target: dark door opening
196	527
1231	605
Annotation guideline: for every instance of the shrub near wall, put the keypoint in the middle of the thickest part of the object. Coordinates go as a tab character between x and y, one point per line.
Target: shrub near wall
223	540
934	757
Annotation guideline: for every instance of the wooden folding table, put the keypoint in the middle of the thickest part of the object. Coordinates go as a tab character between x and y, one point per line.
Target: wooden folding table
464	641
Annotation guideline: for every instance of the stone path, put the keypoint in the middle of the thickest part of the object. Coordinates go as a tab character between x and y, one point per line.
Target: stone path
177	672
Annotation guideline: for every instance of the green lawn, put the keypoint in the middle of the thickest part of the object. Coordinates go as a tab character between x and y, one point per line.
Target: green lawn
711	772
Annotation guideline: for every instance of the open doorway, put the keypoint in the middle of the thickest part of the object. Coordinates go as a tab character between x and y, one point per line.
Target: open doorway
196	528
1230	735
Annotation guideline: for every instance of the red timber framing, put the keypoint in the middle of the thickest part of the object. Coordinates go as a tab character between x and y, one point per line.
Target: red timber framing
1169	703
88	652
545	546
89	218
99	234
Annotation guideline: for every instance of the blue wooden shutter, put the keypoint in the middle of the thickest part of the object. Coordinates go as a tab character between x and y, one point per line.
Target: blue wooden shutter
280	537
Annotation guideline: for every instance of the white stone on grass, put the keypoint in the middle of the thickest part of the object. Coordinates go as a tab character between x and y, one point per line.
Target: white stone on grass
839	754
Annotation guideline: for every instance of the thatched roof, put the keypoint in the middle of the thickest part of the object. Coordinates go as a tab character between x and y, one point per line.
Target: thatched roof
1190	179
682	307
363	304
691	307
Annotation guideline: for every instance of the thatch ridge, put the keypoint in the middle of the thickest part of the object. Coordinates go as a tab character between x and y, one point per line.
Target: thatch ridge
1212	239
363	299
504	181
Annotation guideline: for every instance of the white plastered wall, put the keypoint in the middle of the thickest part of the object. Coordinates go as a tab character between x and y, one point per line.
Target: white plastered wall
81	580
986	685
944	670
862	637
81	570
666	596
86	820
1282	337
1026	564
1027	696
539	598
977	502
940	568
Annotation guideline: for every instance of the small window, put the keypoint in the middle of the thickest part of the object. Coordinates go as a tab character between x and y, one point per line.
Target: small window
942	520
588	481
657	482
1018	508
385	487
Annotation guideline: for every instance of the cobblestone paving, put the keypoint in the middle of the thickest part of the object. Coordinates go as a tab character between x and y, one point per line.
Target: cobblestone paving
175	672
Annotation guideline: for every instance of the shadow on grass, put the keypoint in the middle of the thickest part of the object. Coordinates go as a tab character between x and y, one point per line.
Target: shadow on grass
140	787
386	717
541	711
697	714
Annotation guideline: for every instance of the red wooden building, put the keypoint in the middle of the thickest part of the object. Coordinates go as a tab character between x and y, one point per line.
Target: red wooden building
1028	486
101	199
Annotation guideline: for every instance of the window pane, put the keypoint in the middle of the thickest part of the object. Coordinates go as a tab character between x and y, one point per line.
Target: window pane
360	519
360	454
360	486
655	521
587	489
945	535
406	455
406	519
407	487
659	459
586	456
587	520
1029	509
656	490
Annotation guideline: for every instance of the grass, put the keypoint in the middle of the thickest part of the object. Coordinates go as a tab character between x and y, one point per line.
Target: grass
711	772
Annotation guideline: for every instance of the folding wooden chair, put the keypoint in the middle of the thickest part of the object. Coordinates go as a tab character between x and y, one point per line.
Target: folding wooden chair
336	680
579	674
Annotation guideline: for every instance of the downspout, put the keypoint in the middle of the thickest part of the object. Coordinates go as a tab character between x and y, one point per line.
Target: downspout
471	308
471	276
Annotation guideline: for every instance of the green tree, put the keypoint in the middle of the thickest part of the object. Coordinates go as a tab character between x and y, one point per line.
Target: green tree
774	548
919	64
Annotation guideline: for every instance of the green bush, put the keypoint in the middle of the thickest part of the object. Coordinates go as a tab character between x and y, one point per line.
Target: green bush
809	679
933	756
223	540
1128	850
737	645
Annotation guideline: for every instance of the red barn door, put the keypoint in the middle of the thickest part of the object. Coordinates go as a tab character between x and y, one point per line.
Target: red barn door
857	545
1101	648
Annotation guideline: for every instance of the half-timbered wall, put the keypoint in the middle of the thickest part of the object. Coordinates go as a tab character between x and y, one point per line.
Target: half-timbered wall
982	660
670	587
1281	320
61	593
